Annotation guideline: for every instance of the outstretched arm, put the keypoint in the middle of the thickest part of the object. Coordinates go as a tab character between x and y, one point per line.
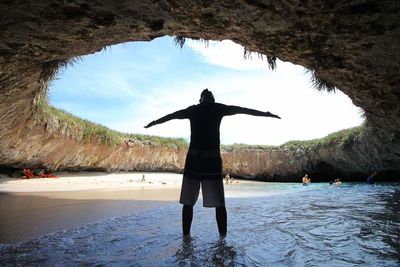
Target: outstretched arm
180	114
232	110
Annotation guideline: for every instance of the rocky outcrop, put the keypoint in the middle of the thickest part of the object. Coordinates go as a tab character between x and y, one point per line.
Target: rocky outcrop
58	152
341	155
353	45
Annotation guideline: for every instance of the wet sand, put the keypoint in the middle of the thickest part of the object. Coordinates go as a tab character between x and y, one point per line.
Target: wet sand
31	208
34	207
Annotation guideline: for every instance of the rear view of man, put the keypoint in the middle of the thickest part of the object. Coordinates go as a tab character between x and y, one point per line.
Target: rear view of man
203	166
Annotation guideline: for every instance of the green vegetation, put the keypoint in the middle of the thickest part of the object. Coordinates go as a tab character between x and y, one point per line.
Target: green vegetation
69	125
343	138
67	122
245	146
166	141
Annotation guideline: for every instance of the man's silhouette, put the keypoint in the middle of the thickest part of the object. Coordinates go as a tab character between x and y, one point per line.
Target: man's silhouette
203	164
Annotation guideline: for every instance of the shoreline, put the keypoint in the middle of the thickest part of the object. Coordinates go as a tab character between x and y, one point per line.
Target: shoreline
90	181
30	216
38	206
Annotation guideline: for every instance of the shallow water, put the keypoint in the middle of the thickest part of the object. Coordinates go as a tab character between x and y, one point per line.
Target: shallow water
284	225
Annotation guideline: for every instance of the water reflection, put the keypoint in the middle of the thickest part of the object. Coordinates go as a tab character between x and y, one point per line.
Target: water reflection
185	256
387	225
214	254
222	254
348	225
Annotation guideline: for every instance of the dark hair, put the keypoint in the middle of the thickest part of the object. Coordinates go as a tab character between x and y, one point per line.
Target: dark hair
207	96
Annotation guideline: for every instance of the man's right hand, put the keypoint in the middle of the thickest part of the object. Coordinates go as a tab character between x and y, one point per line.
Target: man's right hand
150	124
273	115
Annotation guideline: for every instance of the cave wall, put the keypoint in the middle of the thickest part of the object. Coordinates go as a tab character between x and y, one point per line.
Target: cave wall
351	44
65	149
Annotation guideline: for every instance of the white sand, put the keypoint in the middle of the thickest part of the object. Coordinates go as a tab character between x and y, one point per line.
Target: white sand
74	199
98	181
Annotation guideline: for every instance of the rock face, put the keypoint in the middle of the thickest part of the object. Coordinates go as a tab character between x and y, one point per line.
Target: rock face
348	158
353	45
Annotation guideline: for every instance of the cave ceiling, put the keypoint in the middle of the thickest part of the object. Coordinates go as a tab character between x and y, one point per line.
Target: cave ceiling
353	45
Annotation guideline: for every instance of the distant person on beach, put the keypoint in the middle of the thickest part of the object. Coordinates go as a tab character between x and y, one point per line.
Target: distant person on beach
338	181
227	178
203	164
370	179
306	180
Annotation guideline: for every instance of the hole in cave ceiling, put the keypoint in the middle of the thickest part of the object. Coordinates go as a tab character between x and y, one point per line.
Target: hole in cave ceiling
128	85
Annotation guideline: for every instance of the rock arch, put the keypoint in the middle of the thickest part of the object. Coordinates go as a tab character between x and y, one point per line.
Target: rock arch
353	45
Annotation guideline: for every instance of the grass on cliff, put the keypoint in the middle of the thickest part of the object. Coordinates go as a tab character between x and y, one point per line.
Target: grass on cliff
344	138
66	124
60	121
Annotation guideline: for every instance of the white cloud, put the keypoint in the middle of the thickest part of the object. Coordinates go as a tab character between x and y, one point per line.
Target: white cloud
306	113
226	54
229	55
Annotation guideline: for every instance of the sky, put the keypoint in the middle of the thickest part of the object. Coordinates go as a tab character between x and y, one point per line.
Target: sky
128	85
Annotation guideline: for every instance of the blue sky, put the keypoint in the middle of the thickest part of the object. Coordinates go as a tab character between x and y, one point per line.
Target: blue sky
131	84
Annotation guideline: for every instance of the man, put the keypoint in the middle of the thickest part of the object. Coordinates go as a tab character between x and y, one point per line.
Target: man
306	180
203	164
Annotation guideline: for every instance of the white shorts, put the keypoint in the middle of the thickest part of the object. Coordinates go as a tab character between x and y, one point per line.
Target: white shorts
212	191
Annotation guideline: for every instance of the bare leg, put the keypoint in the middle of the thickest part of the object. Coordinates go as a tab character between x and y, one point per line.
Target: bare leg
220	213
187	217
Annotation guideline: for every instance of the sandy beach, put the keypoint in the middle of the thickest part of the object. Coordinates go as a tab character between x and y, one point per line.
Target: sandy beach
33	207
84	181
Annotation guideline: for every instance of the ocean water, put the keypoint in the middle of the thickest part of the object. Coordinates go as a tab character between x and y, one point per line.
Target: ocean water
269	224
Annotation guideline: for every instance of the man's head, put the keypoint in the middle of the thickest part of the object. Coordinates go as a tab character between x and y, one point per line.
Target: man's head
207	97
